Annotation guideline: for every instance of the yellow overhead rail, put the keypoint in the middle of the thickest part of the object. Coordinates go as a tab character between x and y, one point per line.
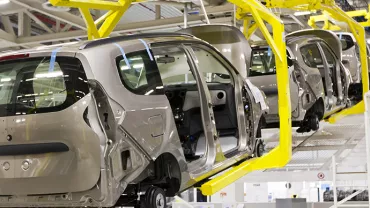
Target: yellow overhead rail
331	11
103	26
280	155
358	31
328	25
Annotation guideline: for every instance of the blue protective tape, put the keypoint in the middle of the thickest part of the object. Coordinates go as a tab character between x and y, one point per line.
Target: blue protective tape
52	59
340	36
123	54
269	51
147	49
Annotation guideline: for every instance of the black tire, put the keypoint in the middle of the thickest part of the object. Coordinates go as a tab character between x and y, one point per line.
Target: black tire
260	148
314	123
155	197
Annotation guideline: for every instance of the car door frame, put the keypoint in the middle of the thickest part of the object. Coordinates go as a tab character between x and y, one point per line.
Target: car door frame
338	80
206	162
244	138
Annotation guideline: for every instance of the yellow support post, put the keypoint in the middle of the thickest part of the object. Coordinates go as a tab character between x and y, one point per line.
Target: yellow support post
281	154
107	22
358	32
356	28
249	28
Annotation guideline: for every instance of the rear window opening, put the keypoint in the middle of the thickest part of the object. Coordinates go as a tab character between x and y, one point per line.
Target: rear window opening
263	62
31	85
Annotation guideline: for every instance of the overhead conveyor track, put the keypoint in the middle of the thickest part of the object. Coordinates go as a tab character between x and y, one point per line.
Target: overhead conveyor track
261	15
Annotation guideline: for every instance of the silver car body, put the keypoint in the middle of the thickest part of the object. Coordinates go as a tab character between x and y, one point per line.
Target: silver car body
305	91
110	137
308	84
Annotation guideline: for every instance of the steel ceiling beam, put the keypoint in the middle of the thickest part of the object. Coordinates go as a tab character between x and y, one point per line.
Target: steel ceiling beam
39	22
130	27
7	25
62	16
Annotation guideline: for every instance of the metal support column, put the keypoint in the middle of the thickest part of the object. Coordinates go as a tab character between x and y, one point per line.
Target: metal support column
157	11
204	11
186	16
367	136
334	167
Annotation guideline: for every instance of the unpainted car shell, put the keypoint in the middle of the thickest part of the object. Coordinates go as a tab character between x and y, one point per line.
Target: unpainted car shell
350	56
231	42
91	173
308	89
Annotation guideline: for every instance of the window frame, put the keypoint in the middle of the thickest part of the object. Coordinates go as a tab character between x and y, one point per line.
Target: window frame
216	55
323	46
157	90
318	49
11	109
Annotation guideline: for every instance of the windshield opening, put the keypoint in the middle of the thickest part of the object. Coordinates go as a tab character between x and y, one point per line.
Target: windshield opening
263	62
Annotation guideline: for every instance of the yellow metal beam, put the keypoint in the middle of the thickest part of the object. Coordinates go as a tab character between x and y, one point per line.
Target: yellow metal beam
107	22
112	20
281	154
249	28
92	32
90	4
358	32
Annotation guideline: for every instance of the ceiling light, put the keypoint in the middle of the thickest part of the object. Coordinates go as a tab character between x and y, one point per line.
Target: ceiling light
4	2
5	79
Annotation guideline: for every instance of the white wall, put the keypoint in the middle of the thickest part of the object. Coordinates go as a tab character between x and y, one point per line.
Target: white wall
262	192
255	192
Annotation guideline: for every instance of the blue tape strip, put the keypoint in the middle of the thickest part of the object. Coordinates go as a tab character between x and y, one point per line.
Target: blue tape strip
147	49
123	54
269	51
52	59
340	36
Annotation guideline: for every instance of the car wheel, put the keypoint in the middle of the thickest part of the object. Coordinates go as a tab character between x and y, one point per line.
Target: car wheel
314	123
155	197
260	148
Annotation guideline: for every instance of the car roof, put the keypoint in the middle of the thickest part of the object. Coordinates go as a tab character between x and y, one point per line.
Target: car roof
75	47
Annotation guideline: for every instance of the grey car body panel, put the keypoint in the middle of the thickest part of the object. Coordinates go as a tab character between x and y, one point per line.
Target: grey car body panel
192	99
328	36
311	84
351	59
73	174
91	172
231	43
228	40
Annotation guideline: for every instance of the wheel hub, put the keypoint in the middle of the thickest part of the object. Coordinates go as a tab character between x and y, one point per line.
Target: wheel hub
160	201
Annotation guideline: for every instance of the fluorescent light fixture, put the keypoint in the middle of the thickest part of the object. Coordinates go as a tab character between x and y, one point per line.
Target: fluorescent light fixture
301	13
124	68
138	66
135	59
49	74
4	2
5	79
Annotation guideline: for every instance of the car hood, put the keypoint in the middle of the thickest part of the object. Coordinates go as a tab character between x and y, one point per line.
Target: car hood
228	40
328	36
